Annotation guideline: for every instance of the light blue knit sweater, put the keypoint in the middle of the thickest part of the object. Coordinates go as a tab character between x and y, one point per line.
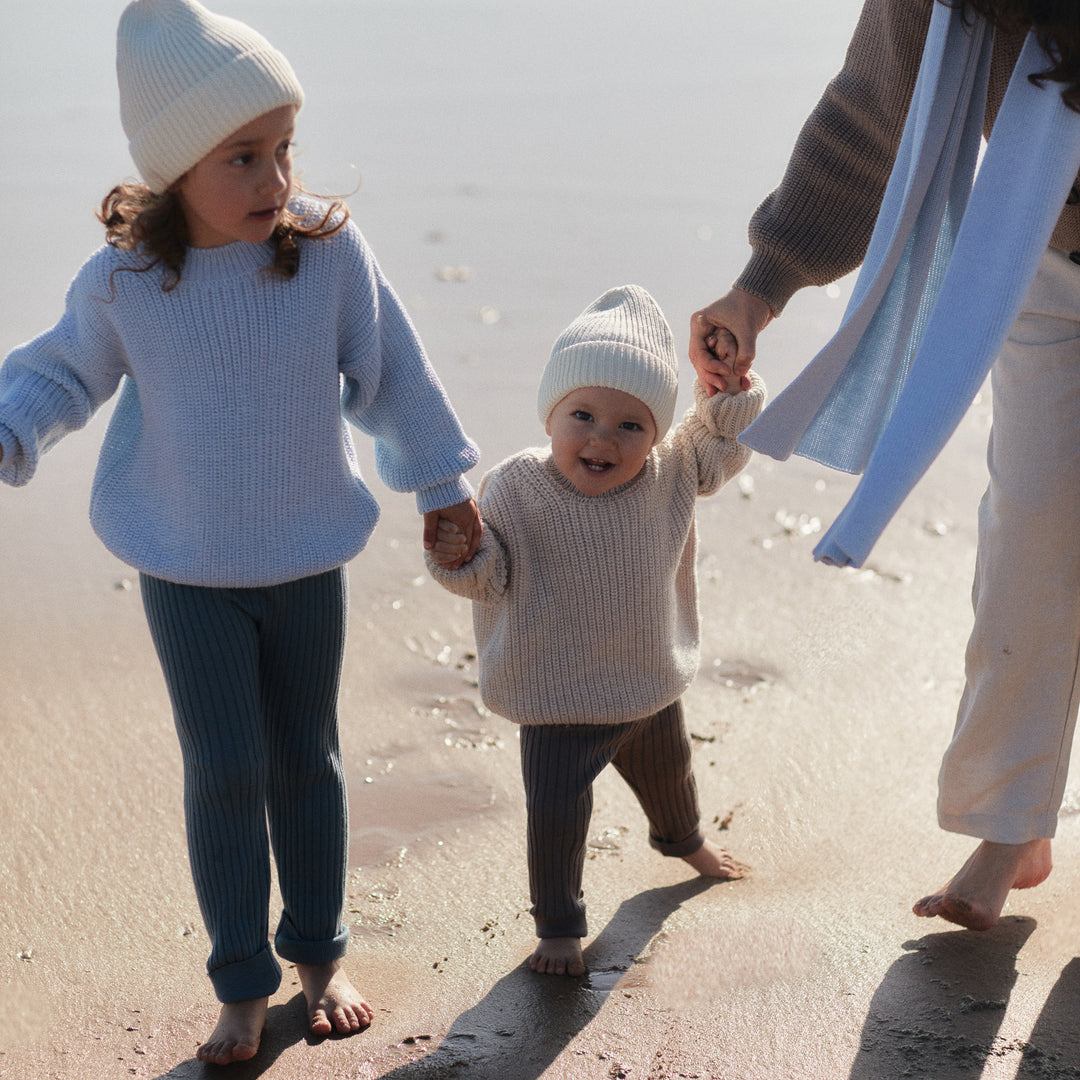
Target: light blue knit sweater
227	461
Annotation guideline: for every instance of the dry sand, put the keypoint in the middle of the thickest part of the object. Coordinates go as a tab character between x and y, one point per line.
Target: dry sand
501	200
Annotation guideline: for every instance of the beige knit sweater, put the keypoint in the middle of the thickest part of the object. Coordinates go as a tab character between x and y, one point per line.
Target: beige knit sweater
585	607
815	227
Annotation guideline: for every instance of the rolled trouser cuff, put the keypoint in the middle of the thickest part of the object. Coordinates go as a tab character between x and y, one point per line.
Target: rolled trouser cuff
258	976
299	951
681	848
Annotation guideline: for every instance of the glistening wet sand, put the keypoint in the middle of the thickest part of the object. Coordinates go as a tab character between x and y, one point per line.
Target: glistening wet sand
516	161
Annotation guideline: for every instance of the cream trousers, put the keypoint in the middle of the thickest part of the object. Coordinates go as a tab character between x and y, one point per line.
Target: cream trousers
1003	775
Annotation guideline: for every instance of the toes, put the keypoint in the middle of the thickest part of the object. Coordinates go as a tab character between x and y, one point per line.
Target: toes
928	905
320	1023
349	1019
243	1052
342	1020
544	965
226	1053
556	965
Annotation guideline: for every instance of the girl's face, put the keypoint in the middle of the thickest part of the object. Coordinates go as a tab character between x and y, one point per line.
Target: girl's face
239	190
600	437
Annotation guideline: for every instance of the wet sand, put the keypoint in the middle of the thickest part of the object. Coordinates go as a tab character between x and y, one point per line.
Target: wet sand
823	703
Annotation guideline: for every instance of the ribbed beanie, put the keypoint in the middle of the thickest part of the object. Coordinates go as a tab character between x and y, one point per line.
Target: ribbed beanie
621	341
189	79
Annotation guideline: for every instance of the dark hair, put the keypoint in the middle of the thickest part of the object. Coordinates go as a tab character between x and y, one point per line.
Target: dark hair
1057	26
135	218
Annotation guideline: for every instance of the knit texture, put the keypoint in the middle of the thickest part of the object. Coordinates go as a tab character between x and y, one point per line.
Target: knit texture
253	678
188	79
558	766
585	607
621	341
816	226
226	461
946	273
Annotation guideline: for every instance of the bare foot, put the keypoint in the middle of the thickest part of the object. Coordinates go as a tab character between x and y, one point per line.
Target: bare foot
713	861
334	1004
975	896
237	1035
558	956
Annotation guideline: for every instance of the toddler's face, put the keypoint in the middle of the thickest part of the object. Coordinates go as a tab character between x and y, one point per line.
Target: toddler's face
600	437
239	190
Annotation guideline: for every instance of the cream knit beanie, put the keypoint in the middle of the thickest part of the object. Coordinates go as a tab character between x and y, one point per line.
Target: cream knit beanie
189	79
622	341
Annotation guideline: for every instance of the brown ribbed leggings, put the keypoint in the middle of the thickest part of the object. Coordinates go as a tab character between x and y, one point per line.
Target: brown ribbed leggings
559	763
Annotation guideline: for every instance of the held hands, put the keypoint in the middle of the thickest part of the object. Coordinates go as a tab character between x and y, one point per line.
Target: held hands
725	348
452	534
450	545
723	340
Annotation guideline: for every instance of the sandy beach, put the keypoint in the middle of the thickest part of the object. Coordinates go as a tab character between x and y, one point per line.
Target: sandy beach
509	164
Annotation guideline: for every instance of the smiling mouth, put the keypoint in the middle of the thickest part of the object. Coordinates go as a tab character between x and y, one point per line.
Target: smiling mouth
597	466
265	215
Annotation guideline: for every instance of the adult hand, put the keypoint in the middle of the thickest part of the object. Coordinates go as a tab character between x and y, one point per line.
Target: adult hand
743	316
466	516
451	545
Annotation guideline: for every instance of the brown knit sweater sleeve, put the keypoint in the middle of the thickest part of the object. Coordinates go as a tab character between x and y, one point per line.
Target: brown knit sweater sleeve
815	227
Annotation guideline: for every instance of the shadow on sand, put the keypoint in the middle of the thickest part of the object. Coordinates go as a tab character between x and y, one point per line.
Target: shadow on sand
286	1025
939	1009
526	1020
1053	1050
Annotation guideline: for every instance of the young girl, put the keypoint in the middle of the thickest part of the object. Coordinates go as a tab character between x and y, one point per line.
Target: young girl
242	320
585	596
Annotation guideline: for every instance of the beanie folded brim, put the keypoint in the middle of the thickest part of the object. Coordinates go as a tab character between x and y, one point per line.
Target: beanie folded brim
189	79
620	341
183	133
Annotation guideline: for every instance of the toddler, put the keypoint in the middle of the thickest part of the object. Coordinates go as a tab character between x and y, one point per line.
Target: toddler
242	321
585	596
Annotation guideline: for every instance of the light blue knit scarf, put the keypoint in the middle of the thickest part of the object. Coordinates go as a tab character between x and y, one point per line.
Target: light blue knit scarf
948	266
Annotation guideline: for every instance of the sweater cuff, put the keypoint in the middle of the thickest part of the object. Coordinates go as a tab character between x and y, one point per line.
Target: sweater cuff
16	468
728	415
440	496
770	279
484	572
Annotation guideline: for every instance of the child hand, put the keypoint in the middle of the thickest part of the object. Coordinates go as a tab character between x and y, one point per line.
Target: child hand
463	516
450	544
725	348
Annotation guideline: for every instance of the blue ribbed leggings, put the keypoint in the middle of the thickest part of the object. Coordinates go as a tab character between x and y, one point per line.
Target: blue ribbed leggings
253	676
